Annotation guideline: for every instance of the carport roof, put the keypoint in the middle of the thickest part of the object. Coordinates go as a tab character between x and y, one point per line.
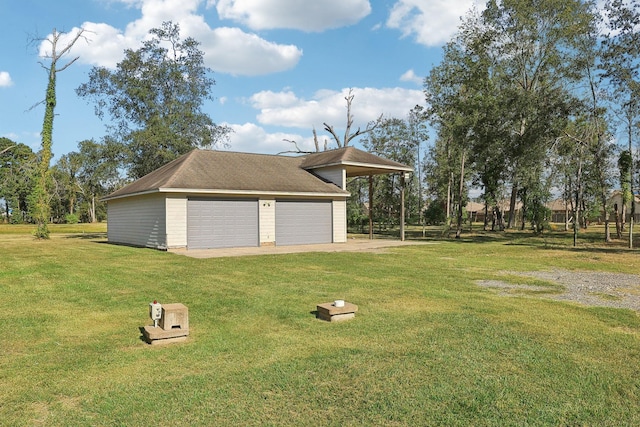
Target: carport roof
356	162
226	172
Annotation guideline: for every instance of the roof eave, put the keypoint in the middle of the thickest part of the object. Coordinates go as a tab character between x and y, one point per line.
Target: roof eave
374	166
122	196
306	194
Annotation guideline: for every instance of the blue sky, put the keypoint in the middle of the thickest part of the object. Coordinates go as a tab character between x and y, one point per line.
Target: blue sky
281	66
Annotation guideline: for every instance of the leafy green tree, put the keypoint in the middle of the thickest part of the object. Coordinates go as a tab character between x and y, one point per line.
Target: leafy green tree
66	185
503	94
621	48
535	44
17	170
461	98
393	139
98	173
155	97
81	177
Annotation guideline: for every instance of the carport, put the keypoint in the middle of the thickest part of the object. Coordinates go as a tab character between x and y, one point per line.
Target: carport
355	163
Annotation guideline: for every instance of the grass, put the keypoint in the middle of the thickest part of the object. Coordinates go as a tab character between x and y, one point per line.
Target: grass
427	347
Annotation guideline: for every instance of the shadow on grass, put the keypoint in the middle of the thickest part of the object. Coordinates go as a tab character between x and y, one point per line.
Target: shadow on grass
590	240
87	236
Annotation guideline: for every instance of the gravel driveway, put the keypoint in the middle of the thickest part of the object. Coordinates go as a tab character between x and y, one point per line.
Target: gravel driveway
588	288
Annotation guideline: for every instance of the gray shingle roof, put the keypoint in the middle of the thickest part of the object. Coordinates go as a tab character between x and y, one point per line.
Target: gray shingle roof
223	171
356	162
229	172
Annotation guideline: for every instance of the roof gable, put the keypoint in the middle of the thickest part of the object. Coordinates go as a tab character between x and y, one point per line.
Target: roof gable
356	162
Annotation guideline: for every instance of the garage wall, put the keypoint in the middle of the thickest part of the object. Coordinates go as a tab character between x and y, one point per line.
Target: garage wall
267	222
339	221
138	221
176	224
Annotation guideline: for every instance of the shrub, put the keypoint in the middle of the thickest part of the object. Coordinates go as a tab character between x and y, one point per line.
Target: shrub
71	219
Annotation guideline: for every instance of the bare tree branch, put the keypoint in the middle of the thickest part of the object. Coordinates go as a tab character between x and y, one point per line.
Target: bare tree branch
7	149
348	136
349	99
55	56
333	133
315	139
297	150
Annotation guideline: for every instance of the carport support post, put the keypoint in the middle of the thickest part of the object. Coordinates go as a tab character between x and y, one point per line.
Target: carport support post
371	207
402	213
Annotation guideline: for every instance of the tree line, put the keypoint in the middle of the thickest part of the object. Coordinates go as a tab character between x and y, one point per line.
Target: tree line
525	105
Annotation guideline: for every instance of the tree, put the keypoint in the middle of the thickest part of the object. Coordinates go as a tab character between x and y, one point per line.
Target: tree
348	135
17	168
461	103
81	177
585	149
98	173
621	49
393	140
40	195
155	97
502	95
535	44
66	185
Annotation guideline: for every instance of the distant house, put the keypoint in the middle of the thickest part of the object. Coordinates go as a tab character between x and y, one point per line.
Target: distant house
476	211
560	211
616	198
216	199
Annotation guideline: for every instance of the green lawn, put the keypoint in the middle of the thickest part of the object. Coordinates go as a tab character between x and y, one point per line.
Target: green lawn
427	347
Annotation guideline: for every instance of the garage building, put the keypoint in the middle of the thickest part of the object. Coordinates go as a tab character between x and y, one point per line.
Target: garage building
220	199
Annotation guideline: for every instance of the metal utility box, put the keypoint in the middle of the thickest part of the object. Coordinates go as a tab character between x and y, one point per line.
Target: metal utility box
155	310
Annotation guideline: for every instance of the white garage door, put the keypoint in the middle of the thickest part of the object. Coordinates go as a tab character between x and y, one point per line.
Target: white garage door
303	222
222	223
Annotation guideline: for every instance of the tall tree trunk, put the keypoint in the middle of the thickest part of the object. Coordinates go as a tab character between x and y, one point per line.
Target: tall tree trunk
577	215
40	194
618	222
370	206
93	209
512	203
460	195
41	190
632	217
633	194
402	213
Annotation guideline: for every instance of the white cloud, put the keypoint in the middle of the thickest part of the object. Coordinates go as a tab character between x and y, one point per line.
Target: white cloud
294	14
230	50
286	109
252	138
5	79
431	22
410	76
227	50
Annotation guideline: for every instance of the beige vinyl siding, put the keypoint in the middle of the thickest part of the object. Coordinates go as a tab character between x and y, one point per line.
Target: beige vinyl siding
267	224
138	221
339	221
176	221
337	175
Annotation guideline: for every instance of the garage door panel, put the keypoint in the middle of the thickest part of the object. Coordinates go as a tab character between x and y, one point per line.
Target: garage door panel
218	223
303	222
